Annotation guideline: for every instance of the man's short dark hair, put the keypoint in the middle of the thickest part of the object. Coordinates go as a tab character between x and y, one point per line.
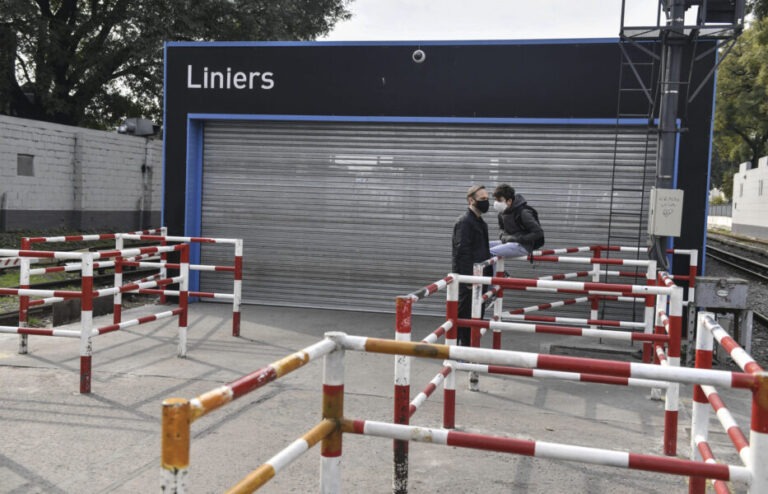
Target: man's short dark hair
504	191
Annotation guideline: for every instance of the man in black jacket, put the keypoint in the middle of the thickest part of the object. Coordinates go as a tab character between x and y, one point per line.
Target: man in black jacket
521	232
470	245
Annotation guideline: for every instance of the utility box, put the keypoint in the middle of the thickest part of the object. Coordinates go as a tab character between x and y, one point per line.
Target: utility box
665	216
721	293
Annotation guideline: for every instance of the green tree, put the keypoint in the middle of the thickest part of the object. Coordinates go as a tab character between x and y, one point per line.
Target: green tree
741	117
91	63
758	8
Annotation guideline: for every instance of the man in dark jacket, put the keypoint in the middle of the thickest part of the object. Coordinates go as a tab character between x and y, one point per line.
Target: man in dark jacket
520	230
470	245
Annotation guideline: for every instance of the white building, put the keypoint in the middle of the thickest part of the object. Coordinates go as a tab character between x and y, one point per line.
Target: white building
750	200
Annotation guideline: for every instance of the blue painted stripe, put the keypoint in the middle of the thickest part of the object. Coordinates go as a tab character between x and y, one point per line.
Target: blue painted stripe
414	119
165	144
485	42
194	195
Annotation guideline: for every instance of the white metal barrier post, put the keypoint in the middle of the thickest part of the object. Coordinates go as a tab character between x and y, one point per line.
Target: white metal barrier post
333	408
86	323
24	263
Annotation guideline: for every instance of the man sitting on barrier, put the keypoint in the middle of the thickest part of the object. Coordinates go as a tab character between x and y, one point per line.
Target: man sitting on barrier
521	232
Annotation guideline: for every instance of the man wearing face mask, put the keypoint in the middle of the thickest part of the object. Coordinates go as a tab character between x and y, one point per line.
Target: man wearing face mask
521	232
470	245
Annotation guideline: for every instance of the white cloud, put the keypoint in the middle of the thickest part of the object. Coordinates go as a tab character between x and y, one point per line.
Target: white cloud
489	19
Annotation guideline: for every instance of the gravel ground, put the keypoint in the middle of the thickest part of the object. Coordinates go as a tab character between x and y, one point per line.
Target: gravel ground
758	289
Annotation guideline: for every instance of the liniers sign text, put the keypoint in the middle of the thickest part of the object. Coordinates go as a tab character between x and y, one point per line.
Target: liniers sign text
228	79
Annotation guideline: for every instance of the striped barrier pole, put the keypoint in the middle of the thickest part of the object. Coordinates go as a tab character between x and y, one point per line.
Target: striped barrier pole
534	308
498	304
430	389
567	376
137	321
685	375
163	260
720	486
738	439
117	300
24	300
183	300
333	409
674	343
627	336
758	435
575	320
264	473
477	305
649	315
403	313
567	276
435	335
238	287
594	302
700	404
449	385
542	449
86	323
735	351
181	413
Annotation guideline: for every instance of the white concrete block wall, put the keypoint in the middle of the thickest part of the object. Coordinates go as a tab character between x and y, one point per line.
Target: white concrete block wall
51	187
113	177
111	169
750	199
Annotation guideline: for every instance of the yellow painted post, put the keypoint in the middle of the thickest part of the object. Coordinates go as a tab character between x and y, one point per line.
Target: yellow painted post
175	445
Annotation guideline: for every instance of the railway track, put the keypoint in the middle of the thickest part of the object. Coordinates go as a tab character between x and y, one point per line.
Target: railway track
99	281
745	265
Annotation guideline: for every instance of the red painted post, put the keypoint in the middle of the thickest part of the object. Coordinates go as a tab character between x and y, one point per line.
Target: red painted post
183	299
333	409
449	385
403	313
163	260
672	403
24	300
238	287
86	322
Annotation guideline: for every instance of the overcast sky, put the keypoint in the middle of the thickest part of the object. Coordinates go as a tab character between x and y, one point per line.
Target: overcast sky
489	19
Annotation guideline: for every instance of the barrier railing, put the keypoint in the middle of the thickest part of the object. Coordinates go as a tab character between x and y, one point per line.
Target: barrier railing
753	451
404	408
87	294
236	269
178	414
154	235
25	273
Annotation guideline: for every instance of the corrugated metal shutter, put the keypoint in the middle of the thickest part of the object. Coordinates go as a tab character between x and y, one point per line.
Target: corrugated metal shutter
350	215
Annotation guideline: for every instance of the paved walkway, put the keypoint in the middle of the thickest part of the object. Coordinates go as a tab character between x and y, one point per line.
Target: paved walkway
55	440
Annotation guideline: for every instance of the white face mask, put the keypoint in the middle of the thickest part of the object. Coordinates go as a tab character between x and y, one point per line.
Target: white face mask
499	206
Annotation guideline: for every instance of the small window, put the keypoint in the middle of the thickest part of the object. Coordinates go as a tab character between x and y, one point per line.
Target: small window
760	188
741	190
25	165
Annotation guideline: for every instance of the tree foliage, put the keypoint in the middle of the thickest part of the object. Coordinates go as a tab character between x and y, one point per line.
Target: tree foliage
94	62
741	116
758	8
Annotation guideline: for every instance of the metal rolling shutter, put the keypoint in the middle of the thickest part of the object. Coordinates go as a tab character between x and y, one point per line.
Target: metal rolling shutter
350	215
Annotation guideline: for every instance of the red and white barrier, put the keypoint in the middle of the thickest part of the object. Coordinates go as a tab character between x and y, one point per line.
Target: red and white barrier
755	452
86	294
178	414
236	268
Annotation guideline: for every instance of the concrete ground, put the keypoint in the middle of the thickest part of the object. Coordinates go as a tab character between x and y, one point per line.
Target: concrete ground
55	440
